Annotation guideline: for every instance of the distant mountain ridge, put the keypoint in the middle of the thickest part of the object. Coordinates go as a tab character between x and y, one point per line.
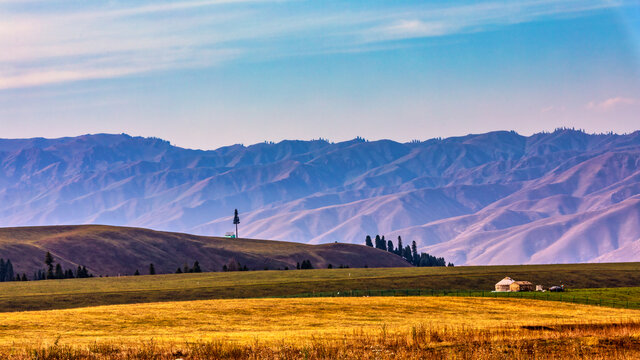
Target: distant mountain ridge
494	198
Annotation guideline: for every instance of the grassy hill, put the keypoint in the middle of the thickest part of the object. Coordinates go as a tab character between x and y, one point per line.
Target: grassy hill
58	294
111	250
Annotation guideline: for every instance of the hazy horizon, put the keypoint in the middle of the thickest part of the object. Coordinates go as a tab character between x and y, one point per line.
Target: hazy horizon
332	141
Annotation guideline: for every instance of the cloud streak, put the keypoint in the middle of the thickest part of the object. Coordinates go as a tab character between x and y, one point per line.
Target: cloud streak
611	103
449	20
110	40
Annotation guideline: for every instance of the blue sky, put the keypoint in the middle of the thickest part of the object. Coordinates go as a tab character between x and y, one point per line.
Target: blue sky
208	73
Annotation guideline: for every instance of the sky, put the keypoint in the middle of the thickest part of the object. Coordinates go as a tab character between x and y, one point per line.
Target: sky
209	73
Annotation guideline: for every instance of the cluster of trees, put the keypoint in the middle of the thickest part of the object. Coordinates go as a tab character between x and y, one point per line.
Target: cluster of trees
233	265
186	269
409	253
52	271
6	272
330	266
304	265
57	272
152	270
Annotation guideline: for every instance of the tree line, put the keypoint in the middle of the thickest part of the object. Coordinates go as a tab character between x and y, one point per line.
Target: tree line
51	271
409	253
57	272
7	274
186	269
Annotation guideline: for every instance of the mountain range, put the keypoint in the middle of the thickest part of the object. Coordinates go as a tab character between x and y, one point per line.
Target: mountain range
493	198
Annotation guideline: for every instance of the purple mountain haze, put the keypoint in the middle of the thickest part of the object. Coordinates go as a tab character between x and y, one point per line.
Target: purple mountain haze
494	198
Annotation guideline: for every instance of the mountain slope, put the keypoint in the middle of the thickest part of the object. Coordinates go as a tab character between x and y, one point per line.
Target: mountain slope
110	250
492	198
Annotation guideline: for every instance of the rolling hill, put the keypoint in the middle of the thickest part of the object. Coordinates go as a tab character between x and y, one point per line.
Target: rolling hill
494	198
110	250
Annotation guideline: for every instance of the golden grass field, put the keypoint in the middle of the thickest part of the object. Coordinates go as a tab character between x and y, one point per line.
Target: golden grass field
395	327
186	316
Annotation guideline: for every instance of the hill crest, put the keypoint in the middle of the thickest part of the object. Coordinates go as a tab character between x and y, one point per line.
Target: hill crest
112	250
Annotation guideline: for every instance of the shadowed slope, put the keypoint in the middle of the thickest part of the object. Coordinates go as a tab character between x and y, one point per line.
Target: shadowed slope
110	250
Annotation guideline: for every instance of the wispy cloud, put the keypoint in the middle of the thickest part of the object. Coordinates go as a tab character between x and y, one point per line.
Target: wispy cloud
113	67
110	39
552	109
448	20
611	103
415	28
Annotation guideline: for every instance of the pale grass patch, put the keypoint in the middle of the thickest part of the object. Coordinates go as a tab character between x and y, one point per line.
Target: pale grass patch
290	321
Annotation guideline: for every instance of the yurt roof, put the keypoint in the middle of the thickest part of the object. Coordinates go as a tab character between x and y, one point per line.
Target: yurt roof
505	281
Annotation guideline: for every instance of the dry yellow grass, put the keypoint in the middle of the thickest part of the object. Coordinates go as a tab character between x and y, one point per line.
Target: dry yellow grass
246	321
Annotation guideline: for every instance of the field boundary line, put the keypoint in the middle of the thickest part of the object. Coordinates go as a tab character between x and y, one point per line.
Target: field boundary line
565	297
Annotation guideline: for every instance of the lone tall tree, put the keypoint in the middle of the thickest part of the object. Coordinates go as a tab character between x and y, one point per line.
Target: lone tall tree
48	260
236	221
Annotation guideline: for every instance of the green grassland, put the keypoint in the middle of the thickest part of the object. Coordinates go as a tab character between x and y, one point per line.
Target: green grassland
72	293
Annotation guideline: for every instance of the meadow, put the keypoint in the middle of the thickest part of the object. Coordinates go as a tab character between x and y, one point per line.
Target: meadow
61	294
278	315
319	328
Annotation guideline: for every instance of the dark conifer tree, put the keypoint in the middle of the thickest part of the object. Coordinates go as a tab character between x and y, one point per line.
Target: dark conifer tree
179	271
236	221
406	254
368	242
24	277
59	273
390	246
152	269
136	273
196	267
224	268
414	253
8	272
48	260
399	249
85	272
2	270
329	266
